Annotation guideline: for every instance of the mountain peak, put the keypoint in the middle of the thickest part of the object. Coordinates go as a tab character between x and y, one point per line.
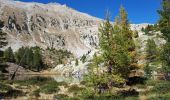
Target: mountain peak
37	24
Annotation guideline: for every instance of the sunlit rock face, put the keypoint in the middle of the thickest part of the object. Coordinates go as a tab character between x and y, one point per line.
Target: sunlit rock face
49	25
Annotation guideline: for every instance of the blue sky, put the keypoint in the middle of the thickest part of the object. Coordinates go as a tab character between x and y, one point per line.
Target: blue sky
139	11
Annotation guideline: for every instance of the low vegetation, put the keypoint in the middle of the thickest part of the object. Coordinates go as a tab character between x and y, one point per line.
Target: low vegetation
4	88
50	87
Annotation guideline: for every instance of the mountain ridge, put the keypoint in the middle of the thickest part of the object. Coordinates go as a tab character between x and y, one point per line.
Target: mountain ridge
50	25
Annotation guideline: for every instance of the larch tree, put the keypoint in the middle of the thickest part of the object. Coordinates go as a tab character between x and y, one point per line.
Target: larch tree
164	26
117	45
117	53
121	46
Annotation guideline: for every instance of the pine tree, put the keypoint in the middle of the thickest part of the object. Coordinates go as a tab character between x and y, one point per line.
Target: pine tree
29	58
164	22
151	56
121	50
151	51
118	53
164	26
37	60
9	55
3	42
105	39
20	56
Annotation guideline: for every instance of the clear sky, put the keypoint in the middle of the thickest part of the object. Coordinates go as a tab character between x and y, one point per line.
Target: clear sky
139	11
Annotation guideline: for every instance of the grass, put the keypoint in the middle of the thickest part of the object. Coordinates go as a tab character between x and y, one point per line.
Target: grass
141	86
39	81
46	85
75	88
154	82
160	97
161	88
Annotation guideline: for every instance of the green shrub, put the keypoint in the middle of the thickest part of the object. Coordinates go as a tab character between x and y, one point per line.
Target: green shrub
87	93
160	97
75	88
83	82
50	88
5	88
2	77
153	82
161	88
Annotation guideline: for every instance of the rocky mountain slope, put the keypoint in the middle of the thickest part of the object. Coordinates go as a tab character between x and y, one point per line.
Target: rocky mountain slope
48	25
58	26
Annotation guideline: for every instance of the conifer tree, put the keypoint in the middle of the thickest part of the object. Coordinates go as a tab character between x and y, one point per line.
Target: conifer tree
106	38
29	58
165	57
37	59
118	54
151	56
117	45
164	22
20	56
164	26
3	42
9	55
151	51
